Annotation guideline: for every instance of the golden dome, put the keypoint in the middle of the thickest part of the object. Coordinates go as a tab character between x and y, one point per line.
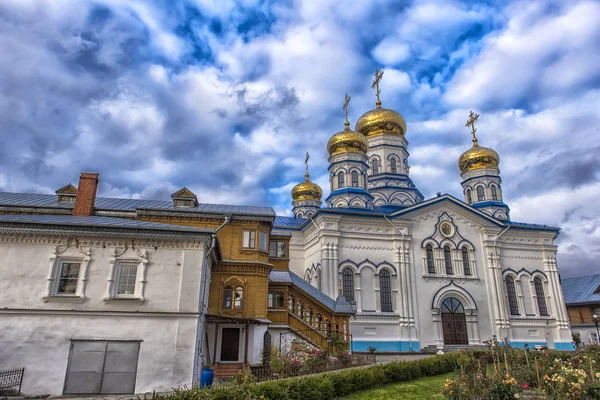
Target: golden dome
307	191
478	157
347	141
381	120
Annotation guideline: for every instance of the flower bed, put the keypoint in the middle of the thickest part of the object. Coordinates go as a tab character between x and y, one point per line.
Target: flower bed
504	373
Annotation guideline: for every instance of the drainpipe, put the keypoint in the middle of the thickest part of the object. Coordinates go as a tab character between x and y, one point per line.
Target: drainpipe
402	233
204	304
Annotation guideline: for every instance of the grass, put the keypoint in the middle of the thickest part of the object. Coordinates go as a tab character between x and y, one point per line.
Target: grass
424	388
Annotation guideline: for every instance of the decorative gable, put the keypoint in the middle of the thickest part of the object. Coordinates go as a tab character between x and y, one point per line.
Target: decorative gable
67	194
184	198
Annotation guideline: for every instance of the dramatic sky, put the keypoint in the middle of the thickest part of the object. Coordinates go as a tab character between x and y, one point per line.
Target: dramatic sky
226	97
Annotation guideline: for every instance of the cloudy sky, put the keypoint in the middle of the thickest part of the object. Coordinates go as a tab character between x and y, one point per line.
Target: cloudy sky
226	97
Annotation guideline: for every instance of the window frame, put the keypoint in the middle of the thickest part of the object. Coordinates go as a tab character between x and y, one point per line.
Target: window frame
393	166
273	299
385	291
466	260
430	265
354	178
58	278
277	253
480	193
448	260
263	241
341	180
348	283
251	244
511	293
540	295
469	196
494	192
118	277
375	166
238	305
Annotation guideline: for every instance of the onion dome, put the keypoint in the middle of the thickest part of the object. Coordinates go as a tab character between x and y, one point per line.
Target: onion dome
307	190
478	157
379	121
347	141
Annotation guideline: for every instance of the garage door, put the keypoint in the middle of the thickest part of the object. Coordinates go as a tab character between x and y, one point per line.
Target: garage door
102	367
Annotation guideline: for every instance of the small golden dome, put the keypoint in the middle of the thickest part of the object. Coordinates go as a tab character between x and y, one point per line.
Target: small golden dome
478	157
307	191
347	141
381	120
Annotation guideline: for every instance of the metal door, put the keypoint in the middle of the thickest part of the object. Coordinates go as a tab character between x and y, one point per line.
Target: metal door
102	367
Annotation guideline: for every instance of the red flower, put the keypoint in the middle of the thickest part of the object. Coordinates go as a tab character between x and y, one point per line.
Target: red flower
525	386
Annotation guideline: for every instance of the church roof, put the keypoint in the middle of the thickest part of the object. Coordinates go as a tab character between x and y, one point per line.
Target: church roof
582	289
290	277
117	204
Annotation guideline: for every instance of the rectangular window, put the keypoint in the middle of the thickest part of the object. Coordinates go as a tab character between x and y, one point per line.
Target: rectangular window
126	279
249	239
277	249
276	299
262	243
68	278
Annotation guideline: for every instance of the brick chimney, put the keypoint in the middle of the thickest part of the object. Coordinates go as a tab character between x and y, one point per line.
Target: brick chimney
86	194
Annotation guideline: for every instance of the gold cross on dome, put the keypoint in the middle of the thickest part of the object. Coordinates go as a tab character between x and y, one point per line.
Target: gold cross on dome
345	107
471	123
375	85
306	162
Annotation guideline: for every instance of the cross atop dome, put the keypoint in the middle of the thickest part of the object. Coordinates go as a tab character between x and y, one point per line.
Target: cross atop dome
345	108
375	85
471	123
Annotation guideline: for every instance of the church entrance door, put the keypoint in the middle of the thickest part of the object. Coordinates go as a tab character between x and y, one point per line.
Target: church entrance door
454	322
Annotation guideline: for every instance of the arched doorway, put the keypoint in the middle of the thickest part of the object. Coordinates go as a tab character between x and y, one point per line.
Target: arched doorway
454	322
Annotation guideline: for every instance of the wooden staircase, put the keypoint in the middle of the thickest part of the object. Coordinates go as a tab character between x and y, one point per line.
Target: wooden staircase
227	370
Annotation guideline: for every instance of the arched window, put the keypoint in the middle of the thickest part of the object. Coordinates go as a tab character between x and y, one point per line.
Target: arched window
341	180
239	294
319	322
227	296
465	260
354	179
512	295
291	303
365	179
393	167
375	166
348	283
430	264
309	316
494	193
541	299
480	195
469	199
385	290
448	260
327	327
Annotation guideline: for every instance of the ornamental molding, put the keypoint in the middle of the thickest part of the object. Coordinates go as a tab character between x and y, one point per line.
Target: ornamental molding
200	215
13	231
37	210
457	213
375	248
103	241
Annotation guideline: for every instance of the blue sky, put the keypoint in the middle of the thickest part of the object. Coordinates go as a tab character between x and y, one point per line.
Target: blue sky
226	97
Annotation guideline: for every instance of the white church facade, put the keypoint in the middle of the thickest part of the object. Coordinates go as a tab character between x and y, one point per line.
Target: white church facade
424	274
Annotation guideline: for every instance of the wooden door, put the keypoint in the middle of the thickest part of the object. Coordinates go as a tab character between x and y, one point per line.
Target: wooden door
230	344
454	322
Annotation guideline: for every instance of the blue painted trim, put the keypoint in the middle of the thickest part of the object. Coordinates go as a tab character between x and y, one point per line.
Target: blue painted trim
389	175
491	203
567	346
446	197
386	346
448	285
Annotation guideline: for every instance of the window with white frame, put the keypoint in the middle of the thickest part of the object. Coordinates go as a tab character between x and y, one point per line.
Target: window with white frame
68	278
249	239
126	279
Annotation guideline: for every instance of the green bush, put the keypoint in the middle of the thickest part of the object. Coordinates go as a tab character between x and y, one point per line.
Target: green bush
324	386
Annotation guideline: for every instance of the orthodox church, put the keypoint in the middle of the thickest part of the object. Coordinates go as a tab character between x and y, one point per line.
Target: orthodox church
105	295
423	273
